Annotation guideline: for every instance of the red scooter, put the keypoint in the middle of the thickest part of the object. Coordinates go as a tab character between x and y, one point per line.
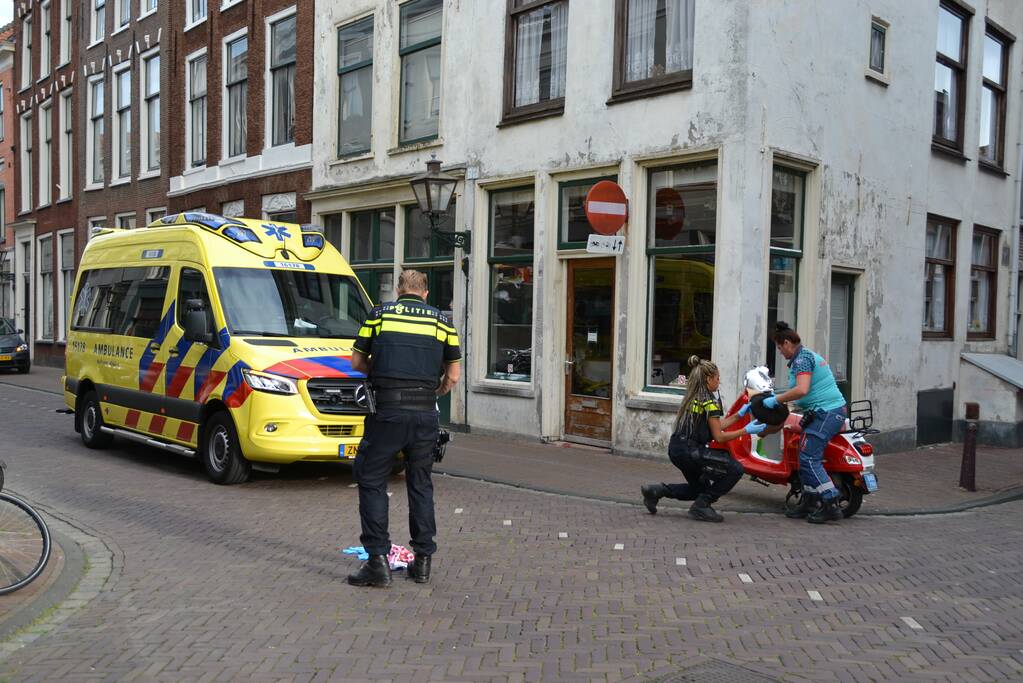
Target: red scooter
848	458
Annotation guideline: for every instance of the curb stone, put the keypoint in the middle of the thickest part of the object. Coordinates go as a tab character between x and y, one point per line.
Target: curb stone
99	558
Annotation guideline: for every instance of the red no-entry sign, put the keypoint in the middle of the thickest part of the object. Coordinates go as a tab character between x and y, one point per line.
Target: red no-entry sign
606	207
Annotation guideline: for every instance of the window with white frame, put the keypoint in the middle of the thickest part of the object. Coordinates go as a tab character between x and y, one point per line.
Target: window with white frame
282	79
66	146
122	121
355	76
96	222
67	277
65	31
419	49
155	214
3	97
681	236
26	53
197	110
147	6
26	162
878	46
3	213
99	20
196	11
122	10
125	221
45	305
236	78
151	113
45	152
46	42
96	132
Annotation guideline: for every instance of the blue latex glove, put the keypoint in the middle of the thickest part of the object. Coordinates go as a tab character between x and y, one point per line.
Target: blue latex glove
744	410
754	427
771	401
358	551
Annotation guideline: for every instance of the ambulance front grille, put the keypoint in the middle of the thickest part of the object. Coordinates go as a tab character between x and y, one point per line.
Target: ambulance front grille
338	396
336	431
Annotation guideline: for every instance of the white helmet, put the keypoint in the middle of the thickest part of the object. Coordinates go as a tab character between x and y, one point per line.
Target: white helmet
758	380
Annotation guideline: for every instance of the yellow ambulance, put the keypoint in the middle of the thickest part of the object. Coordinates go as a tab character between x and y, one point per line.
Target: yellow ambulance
228	339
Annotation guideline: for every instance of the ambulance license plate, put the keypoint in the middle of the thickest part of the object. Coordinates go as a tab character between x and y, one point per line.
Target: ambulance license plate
348	451
2	358
870	481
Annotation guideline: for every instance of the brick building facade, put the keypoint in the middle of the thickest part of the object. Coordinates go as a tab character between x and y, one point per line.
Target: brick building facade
7	208
242	85
44	229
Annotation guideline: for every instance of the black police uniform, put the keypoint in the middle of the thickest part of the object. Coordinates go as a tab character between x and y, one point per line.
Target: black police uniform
409	343
689	452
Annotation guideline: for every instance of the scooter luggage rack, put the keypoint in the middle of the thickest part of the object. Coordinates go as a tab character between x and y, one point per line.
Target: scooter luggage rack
861	418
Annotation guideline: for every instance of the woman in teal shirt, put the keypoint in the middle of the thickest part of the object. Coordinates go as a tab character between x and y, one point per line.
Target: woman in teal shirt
814	390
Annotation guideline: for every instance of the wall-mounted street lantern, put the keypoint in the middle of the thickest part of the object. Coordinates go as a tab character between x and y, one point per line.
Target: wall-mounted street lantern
433	191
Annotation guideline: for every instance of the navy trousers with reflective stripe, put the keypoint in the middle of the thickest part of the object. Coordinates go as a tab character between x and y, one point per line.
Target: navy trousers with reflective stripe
387	433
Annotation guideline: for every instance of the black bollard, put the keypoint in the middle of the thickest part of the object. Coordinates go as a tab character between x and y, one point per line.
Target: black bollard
967	473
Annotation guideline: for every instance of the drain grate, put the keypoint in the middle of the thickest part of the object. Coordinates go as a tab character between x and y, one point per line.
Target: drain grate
714	671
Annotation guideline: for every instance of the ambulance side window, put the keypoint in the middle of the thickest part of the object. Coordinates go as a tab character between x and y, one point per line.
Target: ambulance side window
137	301
192	285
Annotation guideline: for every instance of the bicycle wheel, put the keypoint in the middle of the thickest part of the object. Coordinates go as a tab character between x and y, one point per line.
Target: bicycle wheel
24	543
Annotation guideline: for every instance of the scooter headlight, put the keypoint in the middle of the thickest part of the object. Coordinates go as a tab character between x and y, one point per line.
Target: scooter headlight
272	384
853	460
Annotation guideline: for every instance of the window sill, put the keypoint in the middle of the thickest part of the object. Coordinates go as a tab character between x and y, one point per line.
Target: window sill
25	87
149	174
93	188
880	79
192	170
146	14
66	62
980	337
526	115
231	161
42	78
120	29
648	402
415	146
993	169
938	338
229	3
43	206
949	152
189	27
341	161
64	200
94	43
119	181
649	89
504	388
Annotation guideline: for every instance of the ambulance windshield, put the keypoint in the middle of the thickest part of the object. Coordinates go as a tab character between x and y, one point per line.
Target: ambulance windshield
290	303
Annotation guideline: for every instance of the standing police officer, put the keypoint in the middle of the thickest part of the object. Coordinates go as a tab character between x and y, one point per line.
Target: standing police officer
410	352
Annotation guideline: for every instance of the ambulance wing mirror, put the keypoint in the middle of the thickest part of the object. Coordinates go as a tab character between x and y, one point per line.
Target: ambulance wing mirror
197	327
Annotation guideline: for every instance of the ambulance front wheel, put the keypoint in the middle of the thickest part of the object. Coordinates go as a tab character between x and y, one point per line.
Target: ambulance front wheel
220	452
90	422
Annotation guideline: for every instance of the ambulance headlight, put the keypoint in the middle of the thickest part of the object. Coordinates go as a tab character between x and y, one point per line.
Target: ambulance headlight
273	384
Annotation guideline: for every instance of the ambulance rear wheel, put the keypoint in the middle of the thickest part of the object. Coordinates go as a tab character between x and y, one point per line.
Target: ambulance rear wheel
90	424
221	453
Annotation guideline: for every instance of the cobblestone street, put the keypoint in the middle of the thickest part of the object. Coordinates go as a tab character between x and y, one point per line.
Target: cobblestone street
247	582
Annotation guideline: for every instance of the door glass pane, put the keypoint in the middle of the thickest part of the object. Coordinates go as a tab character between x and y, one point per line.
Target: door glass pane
838	346
592	318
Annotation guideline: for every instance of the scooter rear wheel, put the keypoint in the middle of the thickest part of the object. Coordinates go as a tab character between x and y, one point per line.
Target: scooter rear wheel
850	496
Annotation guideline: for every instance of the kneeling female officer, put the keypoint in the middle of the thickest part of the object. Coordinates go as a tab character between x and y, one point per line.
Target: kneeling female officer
698	422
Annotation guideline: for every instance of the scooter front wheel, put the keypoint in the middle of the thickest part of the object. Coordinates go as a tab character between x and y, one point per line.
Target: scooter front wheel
850	496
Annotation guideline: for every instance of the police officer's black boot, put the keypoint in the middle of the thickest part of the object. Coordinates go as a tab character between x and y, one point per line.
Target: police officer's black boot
807	502
651	494
419	569
702	511
374	572
827	512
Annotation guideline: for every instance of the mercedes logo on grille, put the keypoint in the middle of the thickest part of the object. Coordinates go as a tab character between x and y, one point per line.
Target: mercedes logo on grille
361	396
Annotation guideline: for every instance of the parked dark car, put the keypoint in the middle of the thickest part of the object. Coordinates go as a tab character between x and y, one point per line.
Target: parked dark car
13	349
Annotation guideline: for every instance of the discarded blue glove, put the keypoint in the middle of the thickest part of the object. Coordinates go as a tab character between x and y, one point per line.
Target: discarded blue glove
744	410
358	551
755	427
771	401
